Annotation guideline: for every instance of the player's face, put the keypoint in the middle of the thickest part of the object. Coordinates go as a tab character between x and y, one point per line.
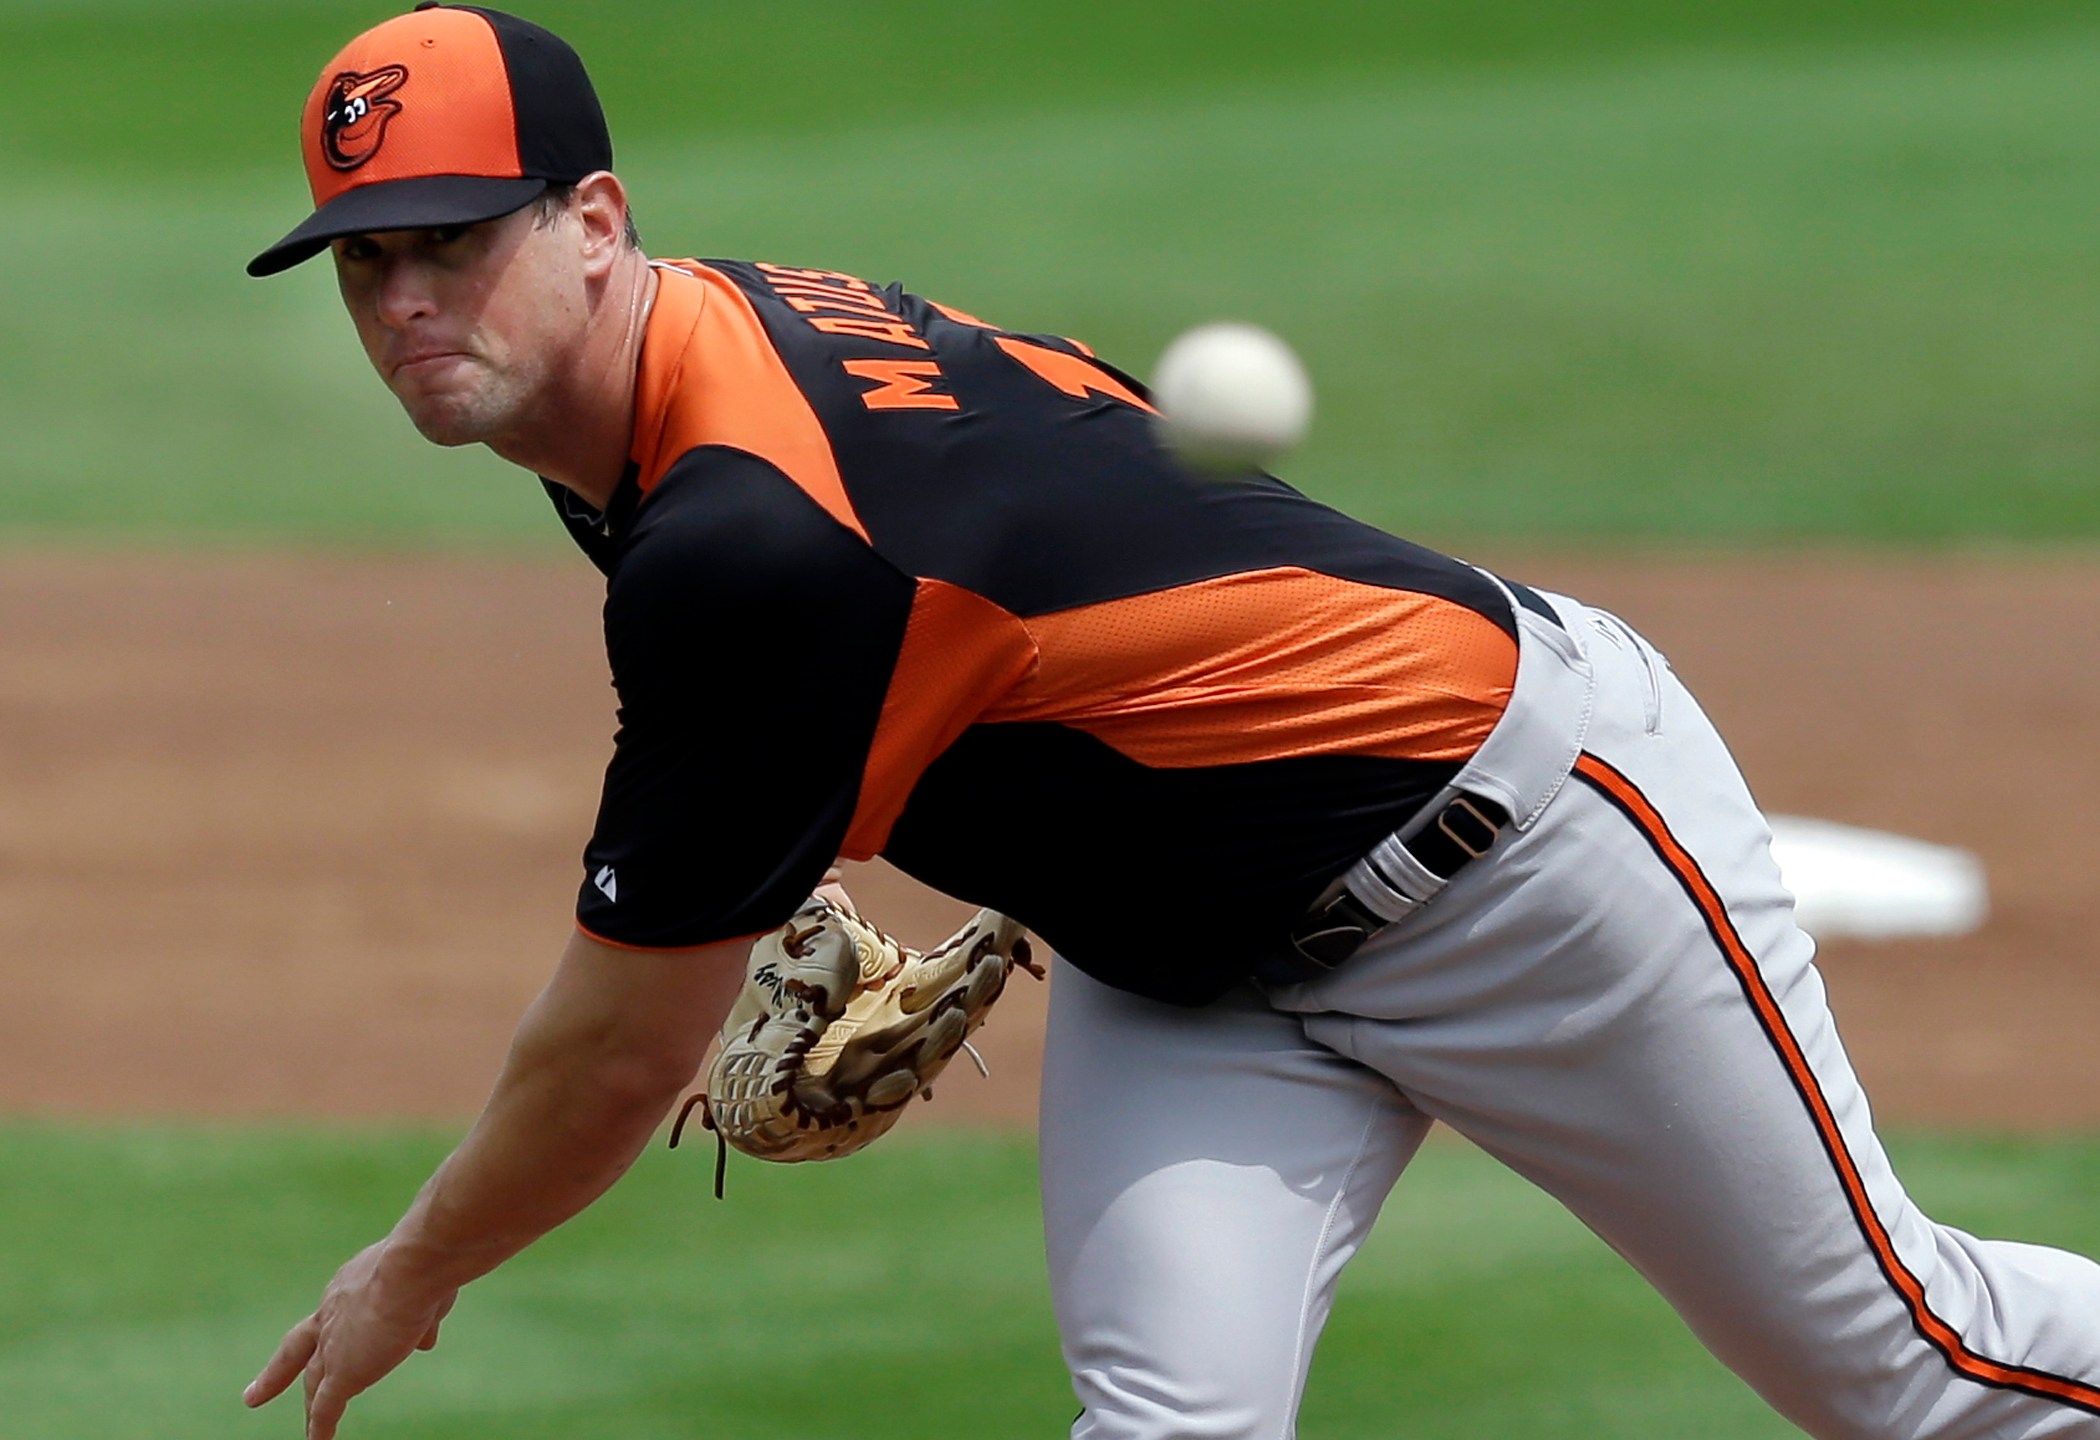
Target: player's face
467	325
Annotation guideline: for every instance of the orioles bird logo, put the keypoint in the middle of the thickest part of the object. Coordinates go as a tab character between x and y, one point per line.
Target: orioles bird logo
354	122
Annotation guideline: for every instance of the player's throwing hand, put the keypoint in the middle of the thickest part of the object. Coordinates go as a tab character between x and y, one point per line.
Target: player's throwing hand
368	1322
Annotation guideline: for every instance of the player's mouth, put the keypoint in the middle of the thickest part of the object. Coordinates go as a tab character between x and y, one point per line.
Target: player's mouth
421	363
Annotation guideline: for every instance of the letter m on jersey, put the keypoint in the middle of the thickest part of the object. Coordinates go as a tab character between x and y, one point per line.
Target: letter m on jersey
901	385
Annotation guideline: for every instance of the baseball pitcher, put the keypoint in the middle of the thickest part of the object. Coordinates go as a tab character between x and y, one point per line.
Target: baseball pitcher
1333	837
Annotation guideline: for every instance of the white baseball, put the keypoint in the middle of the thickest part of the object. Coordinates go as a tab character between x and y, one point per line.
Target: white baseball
1231	397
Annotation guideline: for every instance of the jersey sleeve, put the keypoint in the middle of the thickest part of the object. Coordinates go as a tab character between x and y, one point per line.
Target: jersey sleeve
752	640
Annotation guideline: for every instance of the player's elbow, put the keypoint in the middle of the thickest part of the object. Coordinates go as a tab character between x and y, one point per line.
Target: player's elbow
624	1031
643	1069
611	1067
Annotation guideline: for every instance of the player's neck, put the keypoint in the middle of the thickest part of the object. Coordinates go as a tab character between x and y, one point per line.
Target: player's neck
584	427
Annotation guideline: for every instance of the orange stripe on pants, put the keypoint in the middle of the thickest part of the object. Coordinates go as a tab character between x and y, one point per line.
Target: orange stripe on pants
1628	799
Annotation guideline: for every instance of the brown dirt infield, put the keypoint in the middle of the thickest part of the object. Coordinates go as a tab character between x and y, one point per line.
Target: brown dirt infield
297	836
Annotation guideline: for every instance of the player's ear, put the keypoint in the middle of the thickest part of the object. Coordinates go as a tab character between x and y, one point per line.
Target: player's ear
601	206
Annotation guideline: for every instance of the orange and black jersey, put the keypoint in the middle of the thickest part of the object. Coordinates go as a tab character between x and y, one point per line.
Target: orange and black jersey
884	579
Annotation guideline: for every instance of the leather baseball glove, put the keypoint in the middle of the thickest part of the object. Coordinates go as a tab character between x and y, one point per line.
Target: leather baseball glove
839	1026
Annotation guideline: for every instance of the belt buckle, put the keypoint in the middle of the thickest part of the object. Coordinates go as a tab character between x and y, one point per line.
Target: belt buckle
1331	934
1464	804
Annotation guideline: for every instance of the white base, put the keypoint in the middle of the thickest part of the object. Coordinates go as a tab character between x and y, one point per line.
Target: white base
1870	885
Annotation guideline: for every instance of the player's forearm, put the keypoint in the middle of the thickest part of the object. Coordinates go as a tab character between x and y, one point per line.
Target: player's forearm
553	1138
596	1062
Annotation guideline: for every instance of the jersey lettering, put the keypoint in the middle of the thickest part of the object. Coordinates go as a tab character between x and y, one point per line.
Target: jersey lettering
853	302
867	316
1074	376
904	385
891	332
962	317
778	273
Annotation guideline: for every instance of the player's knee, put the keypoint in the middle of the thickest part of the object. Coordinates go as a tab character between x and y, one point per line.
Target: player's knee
1116	1413
1126	1400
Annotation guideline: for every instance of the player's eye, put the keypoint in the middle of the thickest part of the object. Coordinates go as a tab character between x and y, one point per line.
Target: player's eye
448	234
359	248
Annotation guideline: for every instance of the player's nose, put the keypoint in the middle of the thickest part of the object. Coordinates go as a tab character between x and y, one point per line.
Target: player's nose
405	292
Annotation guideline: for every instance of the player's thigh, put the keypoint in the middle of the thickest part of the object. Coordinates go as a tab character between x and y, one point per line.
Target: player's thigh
1621	1007
1206	1175
1702	1116
1684	1103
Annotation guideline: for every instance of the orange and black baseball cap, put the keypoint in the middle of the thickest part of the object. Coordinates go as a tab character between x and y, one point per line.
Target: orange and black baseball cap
449	115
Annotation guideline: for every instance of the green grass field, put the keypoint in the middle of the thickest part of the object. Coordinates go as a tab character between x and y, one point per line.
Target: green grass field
1625	271
149	1272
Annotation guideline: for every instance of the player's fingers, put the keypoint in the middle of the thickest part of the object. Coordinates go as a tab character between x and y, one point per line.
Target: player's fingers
324	1409
292	1354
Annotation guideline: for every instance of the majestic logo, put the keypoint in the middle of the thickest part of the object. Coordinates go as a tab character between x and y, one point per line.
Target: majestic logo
608	882
354	123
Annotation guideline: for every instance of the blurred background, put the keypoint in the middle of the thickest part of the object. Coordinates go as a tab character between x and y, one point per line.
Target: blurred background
1774	325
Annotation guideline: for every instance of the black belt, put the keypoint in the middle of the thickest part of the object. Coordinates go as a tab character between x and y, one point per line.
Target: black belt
1461	832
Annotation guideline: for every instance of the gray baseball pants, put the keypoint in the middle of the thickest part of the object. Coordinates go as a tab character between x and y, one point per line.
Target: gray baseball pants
1616	1003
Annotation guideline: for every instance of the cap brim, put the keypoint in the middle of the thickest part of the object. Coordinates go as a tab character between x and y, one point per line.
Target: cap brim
412	204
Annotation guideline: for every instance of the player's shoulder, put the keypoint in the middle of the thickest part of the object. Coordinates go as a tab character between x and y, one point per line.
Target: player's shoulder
737	508
724	522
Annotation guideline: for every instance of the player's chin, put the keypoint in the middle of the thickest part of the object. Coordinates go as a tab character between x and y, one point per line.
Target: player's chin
448	435
451	419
